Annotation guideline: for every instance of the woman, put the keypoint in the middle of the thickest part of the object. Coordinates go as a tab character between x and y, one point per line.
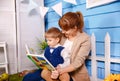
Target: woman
78	43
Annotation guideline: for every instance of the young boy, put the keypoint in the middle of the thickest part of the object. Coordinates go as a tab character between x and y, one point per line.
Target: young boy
56	54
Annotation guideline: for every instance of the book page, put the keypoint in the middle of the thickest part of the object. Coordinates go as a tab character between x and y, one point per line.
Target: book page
39	60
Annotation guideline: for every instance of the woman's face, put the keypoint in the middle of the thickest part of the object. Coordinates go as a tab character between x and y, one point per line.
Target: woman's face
70	32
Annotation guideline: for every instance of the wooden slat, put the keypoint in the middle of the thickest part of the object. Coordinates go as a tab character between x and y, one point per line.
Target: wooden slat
107	55
93	57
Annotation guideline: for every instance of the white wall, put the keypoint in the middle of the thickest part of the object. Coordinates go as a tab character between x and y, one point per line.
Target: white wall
30	27
8	31
18	28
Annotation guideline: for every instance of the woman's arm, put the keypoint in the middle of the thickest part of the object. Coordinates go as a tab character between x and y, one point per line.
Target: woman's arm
59	71
81	53
67	69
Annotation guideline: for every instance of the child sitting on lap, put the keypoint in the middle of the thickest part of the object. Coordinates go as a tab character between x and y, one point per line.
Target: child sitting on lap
56	54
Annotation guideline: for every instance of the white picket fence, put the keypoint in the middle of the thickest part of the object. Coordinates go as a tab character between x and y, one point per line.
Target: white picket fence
107	60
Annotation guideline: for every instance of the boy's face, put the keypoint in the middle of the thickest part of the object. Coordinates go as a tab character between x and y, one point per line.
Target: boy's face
52	41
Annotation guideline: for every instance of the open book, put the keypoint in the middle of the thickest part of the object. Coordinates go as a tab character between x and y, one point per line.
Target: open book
38	59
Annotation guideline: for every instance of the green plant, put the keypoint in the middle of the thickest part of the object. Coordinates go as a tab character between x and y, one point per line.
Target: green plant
15	77
4	77
41	46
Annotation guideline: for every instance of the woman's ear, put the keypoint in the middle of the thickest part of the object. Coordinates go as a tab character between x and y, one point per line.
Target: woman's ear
75	28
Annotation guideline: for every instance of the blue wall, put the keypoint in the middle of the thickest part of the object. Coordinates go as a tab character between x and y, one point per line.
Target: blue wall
100	20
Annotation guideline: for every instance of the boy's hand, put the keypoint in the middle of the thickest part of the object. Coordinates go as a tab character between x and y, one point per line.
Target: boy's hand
54	74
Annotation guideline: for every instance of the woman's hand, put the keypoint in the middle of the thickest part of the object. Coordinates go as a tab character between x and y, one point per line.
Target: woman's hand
61	70
54	74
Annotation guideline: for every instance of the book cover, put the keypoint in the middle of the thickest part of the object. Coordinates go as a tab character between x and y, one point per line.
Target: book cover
38	59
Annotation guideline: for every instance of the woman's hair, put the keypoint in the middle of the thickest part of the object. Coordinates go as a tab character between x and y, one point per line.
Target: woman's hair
53	33
70	20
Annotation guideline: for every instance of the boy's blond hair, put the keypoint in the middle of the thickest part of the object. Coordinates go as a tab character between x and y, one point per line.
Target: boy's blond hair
53	33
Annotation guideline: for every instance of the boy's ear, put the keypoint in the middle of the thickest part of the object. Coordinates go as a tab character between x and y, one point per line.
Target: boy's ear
58	40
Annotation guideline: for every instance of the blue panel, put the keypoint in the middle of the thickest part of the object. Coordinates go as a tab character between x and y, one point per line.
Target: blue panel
115	68
81	1
104	9
103	20
66	4
115	72
115	50
49	3
100	34
100	64
100	49
46	26
50	10
67	10
98	10
89	70
70	5
81	8
90	53
88	64
53	24
100	70
52	17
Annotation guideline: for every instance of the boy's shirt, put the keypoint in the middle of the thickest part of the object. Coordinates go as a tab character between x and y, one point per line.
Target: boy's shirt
64	54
